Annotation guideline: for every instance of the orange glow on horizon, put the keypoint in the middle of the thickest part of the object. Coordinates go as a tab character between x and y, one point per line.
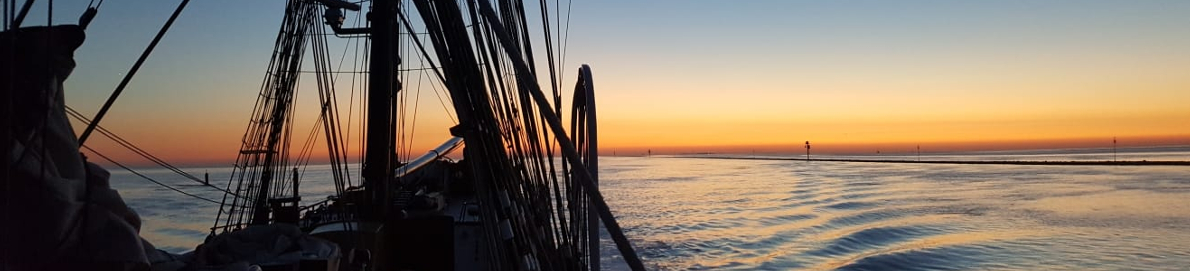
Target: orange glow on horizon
214	139
958	76
853	148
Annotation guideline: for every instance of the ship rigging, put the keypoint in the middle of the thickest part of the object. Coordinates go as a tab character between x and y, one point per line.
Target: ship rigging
526	187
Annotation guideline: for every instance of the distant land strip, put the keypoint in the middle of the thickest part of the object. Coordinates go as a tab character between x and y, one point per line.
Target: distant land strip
1041	163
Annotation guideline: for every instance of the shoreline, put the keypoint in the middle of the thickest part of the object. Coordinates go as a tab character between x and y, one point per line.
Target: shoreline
999	162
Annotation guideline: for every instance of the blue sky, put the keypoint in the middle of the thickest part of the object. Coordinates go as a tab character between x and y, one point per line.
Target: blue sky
722	72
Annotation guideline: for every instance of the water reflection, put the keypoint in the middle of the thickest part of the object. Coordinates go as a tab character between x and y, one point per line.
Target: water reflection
778	215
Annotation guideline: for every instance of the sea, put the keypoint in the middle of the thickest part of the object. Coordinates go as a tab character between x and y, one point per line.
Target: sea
700	212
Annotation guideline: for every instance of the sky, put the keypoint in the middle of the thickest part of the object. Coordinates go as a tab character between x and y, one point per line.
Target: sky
723	76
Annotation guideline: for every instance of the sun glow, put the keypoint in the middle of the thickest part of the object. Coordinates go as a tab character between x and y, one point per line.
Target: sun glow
759	77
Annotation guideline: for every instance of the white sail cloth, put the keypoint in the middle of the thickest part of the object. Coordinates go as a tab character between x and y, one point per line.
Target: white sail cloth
58	211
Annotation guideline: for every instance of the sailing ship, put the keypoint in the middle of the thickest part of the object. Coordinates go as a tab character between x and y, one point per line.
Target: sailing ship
523	196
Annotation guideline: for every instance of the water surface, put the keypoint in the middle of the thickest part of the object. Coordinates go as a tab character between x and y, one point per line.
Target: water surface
690	213
686	213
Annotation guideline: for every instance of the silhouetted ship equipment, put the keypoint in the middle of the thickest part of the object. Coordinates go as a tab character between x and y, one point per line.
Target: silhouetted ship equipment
513	202
505	206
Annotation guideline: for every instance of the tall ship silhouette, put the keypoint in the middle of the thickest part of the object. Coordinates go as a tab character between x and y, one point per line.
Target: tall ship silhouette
515	186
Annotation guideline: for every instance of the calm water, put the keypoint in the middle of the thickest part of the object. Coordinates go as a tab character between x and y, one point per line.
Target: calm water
690	213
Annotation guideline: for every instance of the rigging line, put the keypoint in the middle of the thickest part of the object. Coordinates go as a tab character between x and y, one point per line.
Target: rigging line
351	101
307	150
549	49
128	77
16	22
421	47
366	72
423	59
565	41
554	83
12	13
402	149
558	29
128	145
342	57
332	125
416	105
528	152
364	84
441	102
587	181
327	111
334	134
147	177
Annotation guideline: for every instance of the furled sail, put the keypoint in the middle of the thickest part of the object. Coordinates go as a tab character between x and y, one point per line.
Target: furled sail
59	210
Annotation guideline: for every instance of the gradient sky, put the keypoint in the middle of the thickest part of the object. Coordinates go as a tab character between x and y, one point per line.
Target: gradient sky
718	75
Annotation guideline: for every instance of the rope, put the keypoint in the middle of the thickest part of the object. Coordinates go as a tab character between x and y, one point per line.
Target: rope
147	177
523	71
16	22
565	40
509	128
128	145
128	77
263	163
132	147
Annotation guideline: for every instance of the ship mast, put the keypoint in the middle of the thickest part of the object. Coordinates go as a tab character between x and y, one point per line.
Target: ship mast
380	152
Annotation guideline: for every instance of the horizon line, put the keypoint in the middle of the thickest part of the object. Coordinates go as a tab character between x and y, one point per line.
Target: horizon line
604	153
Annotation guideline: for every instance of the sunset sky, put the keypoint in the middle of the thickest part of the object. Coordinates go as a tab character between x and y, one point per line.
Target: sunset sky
691	76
